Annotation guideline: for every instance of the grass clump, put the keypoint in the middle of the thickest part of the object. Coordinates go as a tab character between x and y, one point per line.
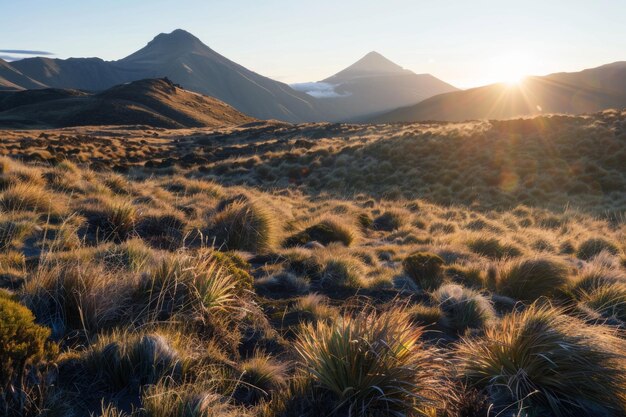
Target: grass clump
607	300
545	363
528	279
425	269
31	197
491	247
128	361
243	225
463	308
326	231
390	220
261	377
369	364
592	247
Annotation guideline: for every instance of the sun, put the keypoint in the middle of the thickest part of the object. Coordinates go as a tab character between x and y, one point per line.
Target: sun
511	67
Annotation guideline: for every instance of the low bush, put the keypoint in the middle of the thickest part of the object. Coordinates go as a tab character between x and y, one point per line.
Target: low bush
22	344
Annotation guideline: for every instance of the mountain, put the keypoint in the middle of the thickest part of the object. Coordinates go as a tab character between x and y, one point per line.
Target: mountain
153	102
12	79
586	91
184	59
372	85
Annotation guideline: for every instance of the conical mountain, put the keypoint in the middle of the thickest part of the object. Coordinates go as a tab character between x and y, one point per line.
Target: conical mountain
372	85
184	59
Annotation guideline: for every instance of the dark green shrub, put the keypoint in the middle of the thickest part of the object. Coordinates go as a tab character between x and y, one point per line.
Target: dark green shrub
22	344
425	269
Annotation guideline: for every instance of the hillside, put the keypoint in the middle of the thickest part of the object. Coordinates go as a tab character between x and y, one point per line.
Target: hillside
586	91
372	85
152	102
267	269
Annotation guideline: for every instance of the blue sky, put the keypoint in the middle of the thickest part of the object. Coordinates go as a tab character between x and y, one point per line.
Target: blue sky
466	43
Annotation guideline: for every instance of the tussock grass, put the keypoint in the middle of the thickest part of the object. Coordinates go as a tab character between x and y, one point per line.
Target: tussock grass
325	231
425	269
242	225
544	361
531	278
463	308
370	363
31	197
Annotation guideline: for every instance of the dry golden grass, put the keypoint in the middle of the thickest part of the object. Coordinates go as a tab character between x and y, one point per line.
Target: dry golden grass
288	271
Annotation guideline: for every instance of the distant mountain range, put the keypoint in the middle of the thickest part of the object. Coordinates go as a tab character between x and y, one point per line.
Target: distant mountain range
586	91
373	89
372	85
152	102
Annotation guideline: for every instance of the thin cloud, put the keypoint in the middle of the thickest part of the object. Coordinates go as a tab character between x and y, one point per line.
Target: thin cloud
318	90
25	52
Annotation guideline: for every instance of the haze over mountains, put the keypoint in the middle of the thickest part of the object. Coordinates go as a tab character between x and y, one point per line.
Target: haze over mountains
586	91
373	89
372	85
152	102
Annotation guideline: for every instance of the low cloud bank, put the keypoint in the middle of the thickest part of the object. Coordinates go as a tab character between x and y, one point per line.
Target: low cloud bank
318	90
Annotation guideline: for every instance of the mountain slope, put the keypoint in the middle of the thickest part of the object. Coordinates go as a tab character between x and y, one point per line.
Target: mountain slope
154	102
12	79
372	85
586	91
184	59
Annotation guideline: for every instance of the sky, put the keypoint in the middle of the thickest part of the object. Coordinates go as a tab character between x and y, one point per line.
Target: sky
466	43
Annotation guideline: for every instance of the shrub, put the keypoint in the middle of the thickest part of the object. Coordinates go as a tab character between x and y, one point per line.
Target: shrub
543	361
243	226
390	220
529	279
592	247
463	308
493	248
326	231
261	376
22	343
369	364
425	269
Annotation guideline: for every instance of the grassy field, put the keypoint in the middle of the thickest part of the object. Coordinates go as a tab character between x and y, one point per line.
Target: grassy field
275	270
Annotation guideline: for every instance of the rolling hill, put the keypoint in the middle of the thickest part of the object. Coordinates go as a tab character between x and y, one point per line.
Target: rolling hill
153	102
586	91
372	85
